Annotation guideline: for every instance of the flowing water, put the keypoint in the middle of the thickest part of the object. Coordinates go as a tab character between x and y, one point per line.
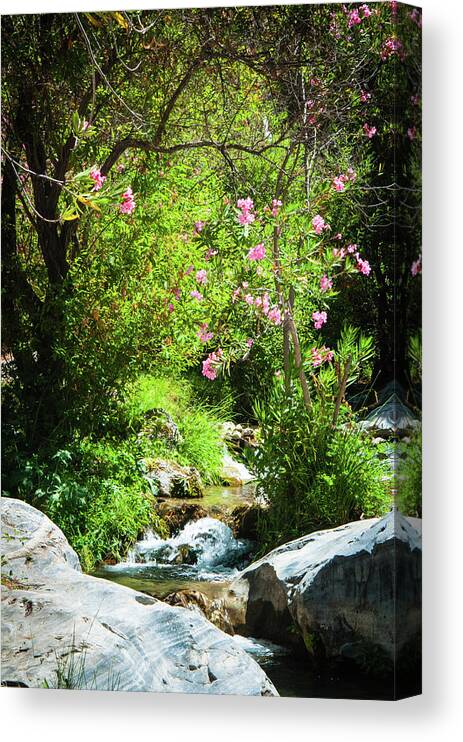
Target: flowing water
205	556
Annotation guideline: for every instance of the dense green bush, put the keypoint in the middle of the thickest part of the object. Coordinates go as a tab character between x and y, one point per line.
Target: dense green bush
314	476
409	478
94	492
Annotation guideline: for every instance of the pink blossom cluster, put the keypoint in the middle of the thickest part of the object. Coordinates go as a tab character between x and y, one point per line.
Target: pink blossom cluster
394	7
370	131
411	133
416	266
204	333
97	178
201	276
363	266
257	252
339	182
319	319
365	96
356	16
249	342
261	303
326	284
392	46
246	205
319	224
321	355
128	202
211	363
195	294
199	226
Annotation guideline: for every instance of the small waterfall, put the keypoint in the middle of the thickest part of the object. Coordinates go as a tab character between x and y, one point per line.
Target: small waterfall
206	542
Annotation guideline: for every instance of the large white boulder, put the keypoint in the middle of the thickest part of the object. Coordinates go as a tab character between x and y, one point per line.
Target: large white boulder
99	635
348	591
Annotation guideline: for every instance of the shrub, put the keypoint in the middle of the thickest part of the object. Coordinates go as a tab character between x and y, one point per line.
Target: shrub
95	492
313	475
409	478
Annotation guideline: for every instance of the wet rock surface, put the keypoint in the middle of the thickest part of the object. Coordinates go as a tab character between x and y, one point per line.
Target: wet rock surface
353	591
118	638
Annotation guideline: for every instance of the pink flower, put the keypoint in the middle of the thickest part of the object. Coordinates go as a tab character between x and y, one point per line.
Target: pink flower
85	125
326	284
189	270
246	218
351	174
171	307
392	46
339	182
245	284
318	224
128	203
276	206
338	236
354	18
196	295
365	96
201	276
249	342
199	226
210	365
319	319
258	302
339	252
210	253
246	205
97	178
274	316
411	133
394	7
257	252
204	334
416	266
235	295
249	299
176	293
415	99
370	131
365	10
351	249
321	355
363	266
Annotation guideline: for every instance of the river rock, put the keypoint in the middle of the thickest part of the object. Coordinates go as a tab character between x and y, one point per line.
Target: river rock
98	634
159	424
177	514
344	591
172	480
214	609
244	521
234	472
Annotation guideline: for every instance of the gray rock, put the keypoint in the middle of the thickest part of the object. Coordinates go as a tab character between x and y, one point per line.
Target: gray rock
101	635
172	480
160	425
234	472
357	585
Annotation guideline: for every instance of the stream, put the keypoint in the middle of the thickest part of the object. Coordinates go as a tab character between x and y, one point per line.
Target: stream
205	556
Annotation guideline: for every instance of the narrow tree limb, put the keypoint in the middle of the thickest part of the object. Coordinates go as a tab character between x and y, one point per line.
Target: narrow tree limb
341	391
